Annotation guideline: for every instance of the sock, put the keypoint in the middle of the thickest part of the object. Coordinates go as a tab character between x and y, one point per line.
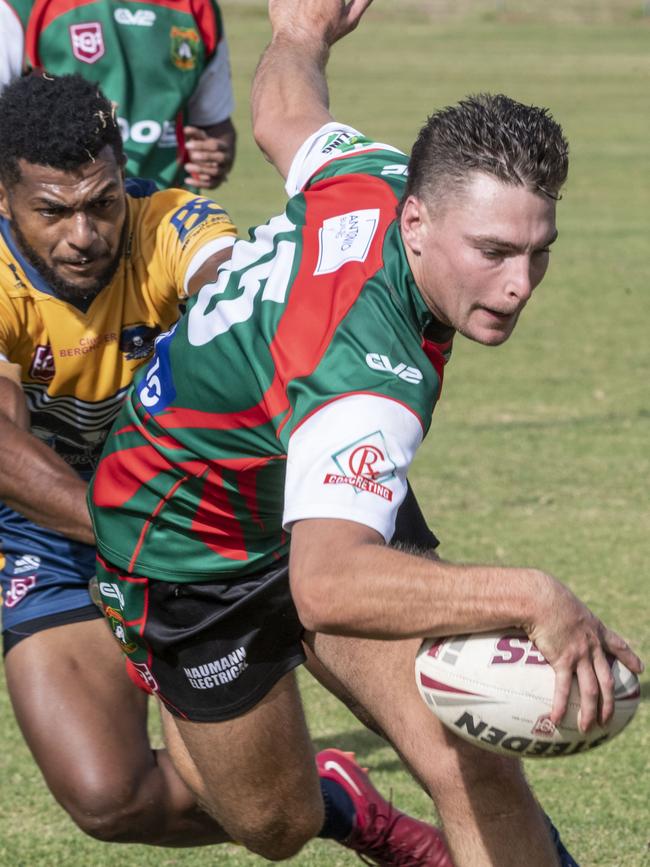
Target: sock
339	811
565	859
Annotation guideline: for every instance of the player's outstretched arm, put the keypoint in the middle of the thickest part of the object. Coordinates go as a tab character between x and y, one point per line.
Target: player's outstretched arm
399	595
289	99
34	480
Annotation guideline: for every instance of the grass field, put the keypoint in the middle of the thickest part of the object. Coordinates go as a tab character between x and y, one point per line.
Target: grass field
539	452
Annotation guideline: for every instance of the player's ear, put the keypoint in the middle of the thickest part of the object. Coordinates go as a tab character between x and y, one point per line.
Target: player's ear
5	210
413	220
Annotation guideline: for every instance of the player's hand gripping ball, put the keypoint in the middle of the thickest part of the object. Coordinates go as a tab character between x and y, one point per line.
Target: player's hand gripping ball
495	689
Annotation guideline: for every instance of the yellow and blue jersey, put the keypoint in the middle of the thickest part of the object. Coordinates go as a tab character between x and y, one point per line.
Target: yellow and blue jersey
76	361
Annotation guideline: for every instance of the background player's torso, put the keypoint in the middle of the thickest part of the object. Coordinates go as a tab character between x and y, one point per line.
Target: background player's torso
147	57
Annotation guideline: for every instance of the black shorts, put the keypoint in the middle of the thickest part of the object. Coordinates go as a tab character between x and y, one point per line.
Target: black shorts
212	650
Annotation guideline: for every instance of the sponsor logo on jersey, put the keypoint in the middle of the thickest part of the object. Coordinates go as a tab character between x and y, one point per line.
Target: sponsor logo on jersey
136	341
42	367
395	170
345	238
88	344
87	41
148	132
118	627
185	44
196	212
219	671
139	18
376	361
26	563
364	465
18	589
109	590
157	390
342	142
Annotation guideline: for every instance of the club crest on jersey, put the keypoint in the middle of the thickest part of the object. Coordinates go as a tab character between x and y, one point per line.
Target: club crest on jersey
18	589
184	47
136	341
364	465
42	368
87	41
118	627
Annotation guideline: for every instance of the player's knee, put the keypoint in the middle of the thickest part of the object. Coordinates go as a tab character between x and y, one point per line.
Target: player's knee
280	835
112	815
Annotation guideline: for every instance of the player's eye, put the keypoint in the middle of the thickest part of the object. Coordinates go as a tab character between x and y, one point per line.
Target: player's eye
493	255
51	213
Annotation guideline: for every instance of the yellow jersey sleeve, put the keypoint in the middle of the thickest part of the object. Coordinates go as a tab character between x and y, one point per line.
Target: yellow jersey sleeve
177	231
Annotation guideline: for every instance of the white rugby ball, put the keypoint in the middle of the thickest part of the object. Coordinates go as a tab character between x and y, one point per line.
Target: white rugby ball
495	689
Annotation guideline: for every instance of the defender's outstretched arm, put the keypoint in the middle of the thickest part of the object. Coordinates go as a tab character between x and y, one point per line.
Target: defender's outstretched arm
289	99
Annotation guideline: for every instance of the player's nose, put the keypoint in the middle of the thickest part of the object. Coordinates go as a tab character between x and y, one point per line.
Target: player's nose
519	279
82	233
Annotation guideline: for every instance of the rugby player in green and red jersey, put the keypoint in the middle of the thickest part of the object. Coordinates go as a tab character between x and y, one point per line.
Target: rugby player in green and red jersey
244	522
92	269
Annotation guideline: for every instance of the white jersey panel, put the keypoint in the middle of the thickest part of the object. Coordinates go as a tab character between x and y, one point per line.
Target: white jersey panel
349	460
330	141
213	99
11	45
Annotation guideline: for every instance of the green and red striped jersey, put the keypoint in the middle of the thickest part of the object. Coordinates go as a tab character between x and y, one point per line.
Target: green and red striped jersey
163	62
298	385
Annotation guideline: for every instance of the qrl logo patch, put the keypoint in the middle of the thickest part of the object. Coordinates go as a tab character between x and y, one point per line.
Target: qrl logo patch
87	41
18	589
143	672
363	465
42	369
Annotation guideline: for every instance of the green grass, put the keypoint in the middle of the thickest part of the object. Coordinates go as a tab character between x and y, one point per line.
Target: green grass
538	452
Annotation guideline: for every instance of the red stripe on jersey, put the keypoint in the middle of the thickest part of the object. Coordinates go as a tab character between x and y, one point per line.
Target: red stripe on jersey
215	522
318	304
121	474
435	355
178	416
338	157
206	19
149	521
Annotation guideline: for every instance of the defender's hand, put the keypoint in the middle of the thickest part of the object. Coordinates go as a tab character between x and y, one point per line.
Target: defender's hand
208	159
575	641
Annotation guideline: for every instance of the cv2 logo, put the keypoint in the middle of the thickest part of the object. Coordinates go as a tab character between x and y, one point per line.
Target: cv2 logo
377	361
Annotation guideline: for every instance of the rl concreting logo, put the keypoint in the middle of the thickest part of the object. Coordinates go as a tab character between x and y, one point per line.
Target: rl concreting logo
363	465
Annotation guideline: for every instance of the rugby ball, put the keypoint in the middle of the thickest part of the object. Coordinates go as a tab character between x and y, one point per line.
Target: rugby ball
495	689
